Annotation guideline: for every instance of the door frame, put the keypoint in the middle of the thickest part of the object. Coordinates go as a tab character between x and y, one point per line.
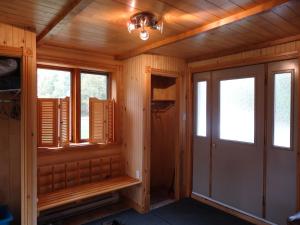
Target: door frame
190	118
27	131
147	134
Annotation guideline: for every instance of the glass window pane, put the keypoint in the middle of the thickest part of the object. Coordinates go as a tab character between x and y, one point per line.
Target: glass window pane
282	110
201	108
237	99
92	85
53	83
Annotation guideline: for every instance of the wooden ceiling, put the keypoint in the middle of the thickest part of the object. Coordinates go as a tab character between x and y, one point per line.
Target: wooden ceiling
30	14
192	28
280	22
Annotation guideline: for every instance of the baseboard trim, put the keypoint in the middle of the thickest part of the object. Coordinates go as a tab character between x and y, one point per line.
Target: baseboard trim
230	210
132	204
162	203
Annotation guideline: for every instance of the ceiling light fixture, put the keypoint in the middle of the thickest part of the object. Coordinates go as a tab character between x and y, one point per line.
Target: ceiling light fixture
143	21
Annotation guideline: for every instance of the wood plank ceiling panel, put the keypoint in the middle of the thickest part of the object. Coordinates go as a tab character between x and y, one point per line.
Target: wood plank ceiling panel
30	14
280	22
102	25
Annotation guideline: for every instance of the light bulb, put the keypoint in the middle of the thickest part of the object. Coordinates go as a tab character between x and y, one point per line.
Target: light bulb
144	35
131	27
160	26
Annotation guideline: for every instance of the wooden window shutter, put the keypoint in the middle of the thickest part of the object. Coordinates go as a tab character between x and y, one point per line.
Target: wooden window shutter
110	121
47	122
64	129
101	113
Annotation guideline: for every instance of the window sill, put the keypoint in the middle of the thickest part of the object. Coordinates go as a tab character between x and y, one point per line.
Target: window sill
77	147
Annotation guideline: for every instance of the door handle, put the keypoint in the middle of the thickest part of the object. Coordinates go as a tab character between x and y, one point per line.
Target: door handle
213	145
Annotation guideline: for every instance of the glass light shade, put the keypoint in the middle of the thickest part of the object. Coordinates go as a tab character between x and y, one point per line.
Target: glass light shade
131	27
160	27
144	35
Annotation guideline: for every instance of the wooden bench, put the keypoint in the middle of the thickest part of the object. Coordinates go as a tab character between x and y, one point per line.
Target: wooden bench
71	181
76	193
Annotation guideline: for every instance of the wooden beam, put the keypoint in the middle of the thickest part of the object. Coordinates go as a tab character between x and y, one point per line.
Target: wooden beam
245	62
204	28
65	15
245	48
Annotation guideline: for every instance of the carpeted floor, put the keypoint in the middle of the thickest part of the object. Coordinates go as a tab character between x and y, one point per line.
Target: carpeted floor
184	212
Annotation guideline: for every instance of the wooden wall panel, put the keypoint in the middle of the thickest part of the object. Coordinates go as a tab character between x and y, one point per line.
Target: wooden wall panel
133	122
48	157
135	85
163	132
269	51
10	164
18	140
75	58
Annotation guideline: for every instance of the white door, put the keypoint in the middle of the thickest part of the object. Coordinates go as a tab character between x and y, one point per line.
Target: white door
281	174
238	138
245	138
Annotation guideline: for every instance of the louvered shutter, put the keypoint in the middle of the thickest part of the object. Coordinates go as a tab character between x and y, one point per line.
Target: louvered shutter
110	121
47	122
64	122
101	113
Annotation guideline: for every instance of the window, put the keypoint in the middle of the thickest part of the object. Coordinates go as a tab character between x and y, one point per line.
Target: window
201	108
92	86
237	99
53	83
54	90
93	121
282	110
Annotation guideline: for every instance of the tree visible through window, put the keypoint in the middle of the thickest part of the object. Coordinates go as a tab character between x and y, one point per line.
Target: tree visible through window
92	86
53	83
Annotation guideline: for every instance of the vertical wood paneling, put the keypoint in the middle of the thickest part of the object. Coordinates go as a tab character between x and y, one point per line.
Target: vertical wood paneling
135	84
163	132
19	149
268	51
133	113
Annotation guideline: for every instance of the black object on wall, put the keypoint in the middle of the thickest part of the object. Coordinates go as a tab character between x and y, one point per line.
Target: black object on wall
10	73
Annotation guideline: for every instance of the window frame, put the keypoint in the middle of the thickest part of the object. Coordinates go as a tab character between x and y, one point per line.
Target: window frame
108	94
292	72
75	95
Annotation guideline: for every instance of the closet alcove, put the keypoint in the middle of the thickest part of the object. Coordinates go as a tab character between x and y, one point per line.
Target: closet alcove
163	138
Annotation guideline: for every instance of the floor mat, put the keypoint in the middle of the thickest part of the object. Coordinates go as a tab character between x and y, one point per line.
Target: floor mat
184	212
191	212
131	217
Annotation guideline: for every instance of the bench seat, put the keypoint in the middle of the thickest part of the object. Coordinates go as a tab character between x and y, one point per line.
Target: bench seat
80	192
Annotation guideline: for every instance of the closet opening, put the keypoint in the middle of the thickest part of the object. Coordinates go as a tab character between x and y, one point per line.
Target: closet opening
10	138
164	126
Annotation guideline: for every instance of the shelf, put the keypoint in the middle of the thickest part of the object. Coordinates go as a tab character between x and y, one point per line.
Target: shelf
10	90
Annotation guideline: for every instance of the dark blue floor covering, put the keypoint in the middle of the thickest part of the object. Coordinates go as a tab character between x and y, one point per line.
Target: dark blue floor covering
184	212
